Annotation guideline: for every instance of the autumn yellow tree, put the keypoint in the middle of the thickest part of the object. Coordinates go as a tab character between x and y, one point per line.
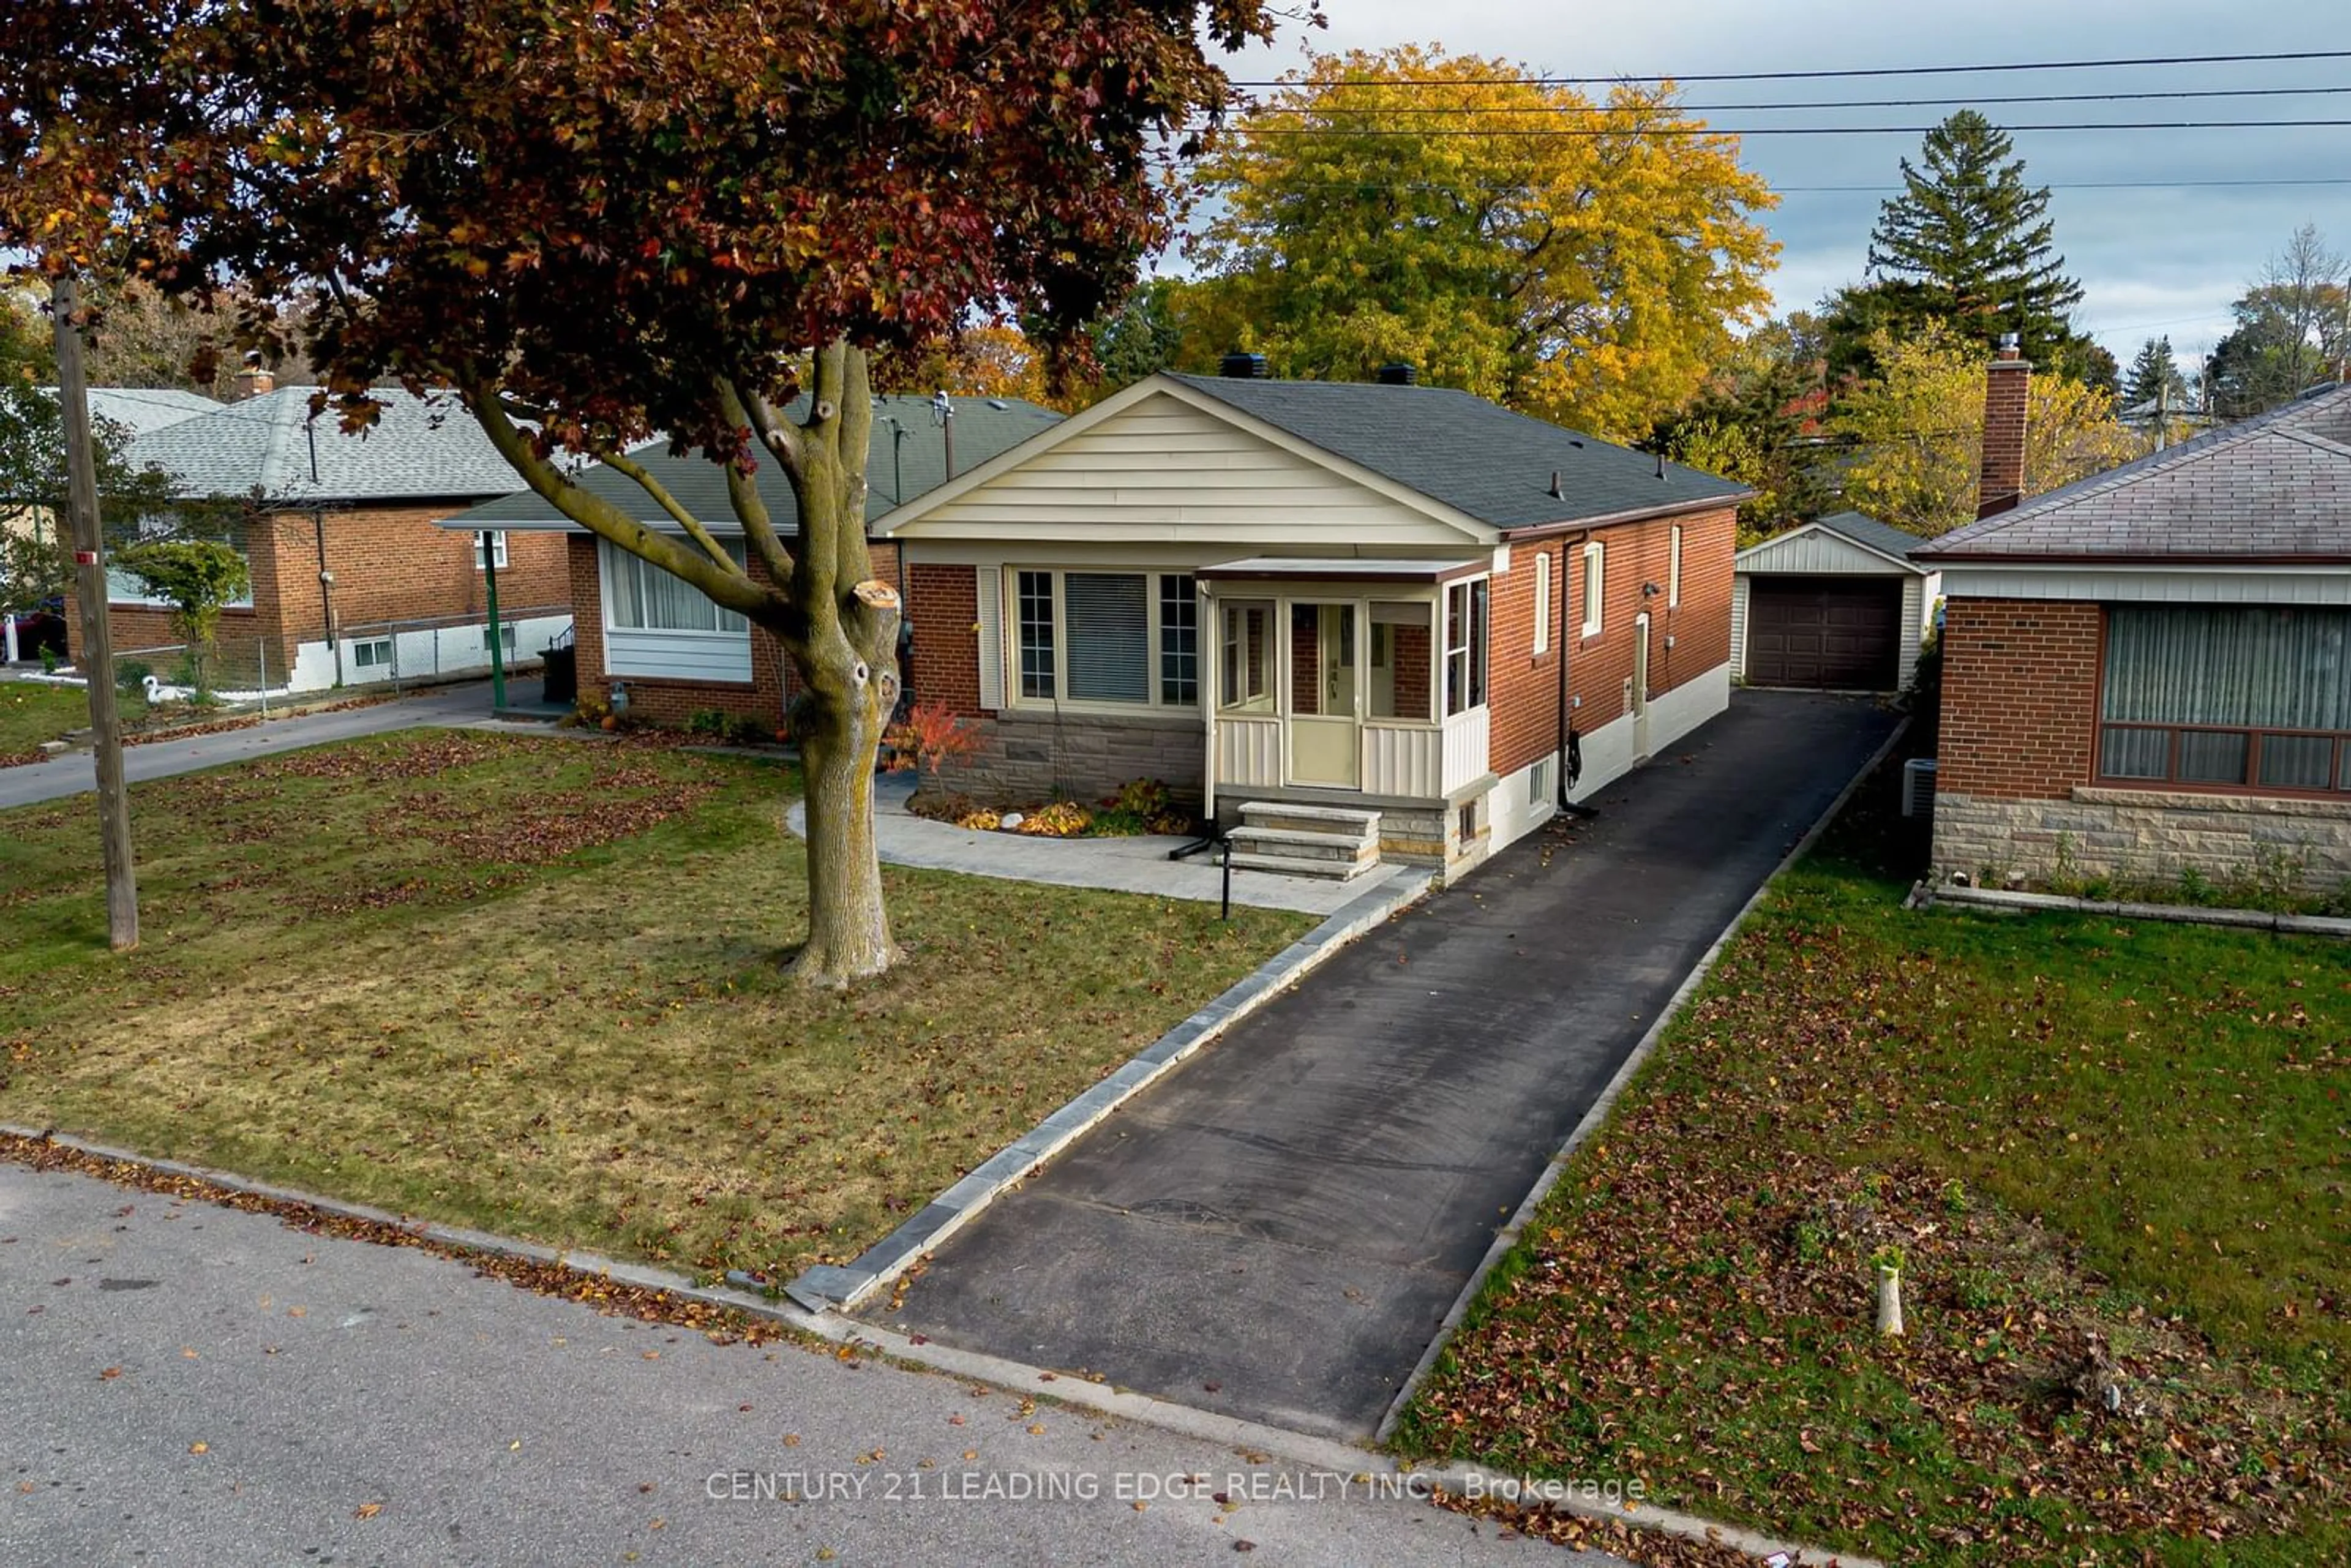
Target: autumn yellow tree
1916	433
1580	261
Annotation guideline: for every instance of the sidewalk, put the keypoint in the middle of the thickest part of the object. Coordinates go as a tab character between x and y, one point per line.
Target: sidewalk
74	773
1121	865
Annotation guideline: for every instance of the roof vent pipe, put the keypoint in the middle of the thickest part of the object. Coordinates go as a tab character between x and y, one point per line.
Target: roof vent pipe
1243	367
1398	375
1556	492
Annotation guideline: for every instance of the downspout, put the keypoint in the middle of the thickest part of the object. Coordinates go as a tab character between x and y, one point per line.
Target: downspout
1567	760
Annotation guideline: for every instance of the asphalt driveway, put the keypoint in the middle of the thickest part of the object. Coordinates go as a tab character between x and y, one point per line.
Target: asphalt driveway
1279	1230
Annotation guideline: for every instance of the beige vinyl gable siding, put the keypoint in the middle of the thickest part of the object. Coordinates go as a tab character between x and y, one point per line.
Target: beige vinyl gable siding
1164	470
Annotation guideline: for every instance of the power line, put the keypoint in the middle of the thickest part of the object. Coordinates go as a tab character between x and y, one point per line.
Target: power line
1844	74
1270	106
1591	133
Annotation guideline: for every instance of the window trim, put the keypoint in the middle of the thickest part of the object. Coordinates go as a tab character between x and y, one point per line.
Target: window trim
608	556
1542	602
1674	570
1018	699
366	644
1595	588
1265	703
1476	647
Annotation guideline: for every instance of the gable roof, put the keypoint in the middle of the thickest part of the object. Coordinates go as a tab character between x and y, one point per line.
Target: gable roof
1870	534
1473	457
2274	489
984	427
421	449
144	410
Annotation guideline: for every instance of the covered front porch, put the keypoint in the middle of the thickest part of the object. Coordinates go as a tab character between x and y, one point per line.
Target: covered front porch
1353	682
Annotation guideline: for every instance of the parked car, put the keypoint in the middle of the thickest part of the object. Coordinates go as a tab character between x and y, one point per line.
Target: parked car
39	631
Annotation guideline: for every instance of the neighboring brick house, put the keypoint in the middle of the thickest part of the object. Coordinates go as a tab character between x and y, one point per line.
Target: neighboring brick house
677	653
2150	671
338	530
1386	599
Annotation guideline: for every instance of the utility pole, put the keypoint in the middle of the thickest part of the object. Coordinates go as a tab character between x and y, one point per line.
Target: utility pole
96	636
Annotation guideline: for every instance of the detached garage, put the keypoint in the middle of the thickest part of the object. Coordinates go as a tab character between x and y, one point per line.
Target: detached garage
1835	605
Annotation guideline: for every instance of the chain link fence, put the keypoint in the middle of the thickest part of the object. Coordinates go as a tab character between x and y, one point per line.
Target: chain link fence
421	651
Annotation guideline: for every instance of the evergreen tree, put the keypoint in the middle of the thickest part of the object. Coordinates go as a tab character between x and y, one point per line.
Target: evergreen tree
1972	242
2155	371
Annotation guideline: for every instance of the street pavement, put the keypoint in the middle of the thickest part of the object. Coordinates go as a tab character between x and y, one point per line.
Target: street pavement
186	1384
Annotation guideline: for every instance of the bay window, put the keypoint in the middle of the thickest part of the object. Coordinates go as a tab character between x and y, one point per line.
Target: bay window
2219	696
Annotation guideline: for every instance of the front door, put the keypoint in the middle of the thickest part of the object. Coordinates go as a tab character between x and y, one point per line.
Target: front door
1325	697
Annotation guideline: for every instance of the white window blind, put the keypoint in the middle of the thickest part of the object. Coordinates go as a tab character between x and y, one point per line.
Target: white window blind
1109	636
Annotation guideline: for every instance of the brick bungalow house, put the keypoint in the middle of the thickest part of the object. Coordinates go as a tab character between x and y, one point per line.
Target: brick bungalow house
2150	671
1298	603
337	530
676	652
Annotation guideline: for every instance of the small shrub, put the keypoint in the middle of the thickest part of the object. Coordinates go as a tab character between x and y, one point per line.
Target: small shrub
49	661
930	738
708	721
1061	819
741	731
981	819
130	678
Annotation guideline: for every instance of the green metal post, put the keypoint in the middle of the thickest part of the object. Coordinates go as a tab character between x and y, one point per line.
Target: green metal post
497	643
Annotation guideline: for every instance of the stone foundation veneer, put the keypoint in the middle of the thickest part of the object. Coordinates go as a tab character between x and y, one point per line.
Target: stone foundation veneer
2145	833
1026	758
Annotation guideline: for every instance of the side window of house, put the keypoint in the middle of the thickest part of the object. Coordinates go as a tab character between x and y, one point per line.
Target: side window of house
1674	571
1542	603
1595	586
498	549
1465	645
2224	695
644	597
1179	642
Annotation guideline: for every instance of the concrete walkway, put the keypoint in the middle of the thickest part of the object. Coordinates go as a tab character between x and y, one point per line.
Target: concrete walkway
74	773
1123	865
1278	1230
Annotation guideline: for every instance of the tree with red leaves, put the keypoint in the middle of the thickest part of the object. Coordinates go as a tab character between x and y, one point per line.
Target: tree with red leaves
591	221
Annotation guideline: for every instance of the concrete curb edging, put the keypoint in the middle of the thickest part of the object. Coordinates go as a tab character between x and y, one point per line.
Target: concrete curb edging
1508	1237
1302	1449
457	1238
1926	896
842	1287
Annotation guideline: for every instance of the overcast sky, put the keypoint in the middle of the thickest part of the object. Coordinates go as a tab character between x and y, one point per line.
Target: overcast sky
2152	261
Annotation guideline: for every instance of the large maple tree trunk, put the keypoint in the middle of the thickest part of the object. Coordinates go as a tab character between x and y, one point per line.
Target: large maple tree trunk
838	720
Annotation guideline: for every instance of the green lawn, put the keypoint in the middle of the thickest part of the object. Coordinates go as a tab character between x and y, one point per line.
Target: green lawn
2072	1127
31	713
533	985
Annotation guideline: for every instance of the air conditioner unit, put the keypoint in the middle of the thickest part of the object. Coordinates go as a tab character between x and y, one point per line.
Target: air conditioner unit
1918	787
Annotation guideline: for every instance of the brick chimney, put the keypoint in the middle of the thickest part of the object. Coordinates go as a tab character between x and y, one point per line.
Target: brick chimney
2000	482
255	379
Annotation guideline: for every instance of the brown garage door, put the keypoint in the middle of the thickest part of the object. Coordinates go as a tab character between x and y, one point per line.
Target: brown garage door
1836	632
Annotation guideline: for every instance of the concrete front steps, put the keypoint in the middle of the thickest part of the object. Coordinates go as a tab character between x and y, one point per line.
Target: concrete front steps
1333	842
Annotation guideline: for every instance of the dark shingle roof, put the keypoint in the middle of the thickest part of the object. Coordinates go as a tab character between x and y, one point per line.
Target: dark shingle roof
2275	488
422	448
1474	456
982	430
1869	533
